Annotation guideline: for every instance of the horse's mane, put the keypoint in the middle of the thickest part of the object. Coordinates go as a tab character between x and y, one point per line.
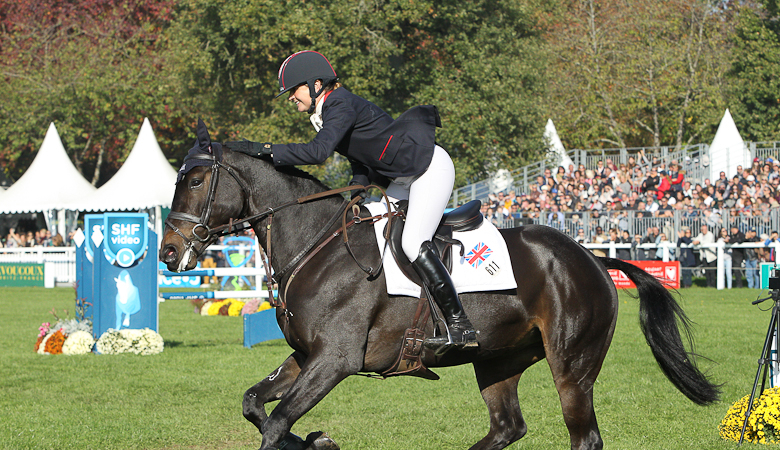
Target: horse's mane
300	173
292	171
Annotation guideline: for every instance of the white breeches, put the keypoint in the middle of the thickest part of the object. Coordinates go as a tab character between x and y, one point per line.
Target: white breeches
428	195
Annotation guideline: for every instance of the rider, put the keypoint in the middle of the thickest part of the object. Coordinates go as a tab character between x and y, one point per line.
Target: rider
403	150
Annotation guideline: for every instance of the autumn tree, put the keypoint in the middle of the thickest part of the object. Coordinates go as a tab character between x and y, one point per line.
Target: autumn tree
632	73
95	68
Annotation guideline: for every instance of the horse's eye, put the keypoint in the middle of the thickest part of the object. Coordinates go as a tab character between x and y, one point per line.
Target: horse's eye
195	182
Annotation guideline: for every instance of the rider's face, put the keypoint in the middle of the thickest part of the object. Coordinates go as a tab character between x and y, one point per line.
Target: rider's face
301	97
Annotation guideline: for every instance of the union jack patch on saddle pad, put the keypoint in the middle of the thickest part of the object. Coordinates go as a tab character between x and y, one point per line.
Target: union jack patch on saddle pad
478	254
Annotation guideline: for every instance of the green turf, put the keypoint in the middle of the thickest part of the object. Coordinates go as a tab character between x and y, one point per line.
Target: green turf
189	397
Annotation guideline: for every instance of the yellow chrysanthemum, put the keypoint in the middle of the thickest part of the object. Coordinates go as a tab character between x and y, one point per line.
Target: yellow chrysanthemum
214	308
763	424
235	308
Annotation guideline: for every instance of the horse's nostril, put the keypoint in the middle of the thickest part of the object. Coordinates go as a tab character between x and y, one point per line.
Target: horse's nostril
169	253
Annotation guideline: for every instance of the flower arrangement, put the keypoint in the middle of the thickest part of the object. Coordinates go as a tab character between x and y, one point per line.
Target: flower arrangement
74	337
80	342
763	424
250	306
226	307
235	308
140	342
214	308
229	307
255	305
54	343
54	339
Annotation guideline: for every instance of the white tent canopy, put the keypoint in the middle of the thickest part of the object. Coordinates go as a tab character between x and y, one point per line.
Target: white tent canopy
51	181
556	146
727	150
146	180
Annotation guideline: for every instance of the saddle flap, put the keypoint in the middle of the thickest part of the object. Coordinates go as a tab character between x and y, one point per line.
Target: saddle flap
443	247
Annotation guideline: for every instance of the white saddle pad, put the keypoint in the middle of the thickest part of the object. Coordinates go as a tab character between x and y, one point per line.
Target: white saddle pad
484	266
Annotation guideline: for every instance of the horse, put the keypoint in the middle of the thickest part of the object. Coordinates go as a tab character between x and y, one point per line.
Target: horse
339	321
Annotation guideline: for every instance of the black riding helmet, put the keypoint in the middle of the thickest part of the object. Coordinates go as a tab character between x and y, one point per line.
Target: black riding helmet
307	67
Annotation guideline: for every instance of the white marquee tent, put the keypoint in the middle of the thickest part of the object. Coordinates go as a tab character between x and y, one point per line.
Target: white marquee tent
727	150
50	183
556	146
145	180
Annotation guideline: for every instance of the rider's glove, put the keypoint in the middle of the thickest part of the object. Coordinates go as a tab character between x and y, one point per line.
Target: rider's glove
256	149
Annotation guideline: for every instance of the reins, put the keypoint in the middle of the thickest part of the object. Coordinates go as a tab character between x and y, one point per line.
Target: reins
237	225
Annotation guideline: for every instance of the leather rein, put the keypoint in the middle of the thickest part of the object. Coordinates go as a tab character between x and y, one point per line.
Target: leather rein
209	235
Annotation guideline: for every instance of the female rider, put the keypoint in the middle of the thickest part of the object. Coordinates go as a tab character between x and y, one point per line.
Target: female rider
403	150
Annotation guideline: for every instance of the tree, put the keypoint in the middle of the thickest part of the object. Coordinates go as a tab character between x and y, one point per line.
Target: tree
632	73
93	67
754	85
479	62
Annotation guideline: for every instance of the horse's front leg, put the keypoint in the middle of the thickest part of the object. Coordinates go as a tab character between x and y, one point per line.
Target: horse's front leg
320	373
273	387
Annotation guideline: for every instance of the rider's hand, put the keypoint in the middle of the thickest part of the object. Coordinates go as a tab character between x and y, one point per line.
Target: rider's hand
256	149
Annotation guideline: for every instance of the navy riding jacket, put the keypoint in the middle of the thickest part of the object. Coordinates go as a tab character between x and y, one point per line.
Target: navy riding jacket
368	137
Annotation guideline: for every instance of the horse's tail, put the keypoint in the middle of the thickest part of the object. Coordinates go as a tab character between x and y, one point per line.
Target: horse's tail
659	315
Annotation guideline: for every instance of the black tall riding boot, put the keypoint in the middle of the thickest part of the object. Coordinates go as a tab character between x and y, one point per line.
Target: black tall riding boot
437	280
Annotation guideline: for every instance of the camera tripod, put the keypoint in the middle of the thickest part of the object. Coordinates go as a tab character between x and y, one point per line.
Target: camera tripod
765	360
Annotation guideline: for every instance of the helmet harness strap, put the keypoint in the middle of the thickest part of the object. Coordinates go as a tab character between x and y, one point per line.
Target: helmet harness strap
314	94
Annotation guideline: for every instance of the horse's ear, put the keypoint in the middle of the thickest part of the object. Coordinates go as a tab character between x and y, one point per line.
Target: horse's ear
204	140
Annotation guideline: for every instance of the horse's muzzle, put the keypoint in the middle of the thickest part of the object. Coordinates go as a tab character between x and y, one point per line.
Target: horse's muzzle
169	254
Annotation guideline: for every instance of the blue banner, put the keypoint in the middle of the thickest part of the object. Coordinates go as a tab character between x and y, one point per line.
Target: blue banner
126	237
120	289
93	232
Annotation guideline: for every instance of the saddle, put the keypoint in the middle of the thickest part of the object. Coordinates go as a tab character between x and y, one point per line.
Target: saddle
467	217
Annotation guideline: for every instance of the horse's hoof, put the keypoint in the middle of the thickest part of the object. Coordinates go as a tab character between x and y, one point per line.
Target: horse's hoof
319	440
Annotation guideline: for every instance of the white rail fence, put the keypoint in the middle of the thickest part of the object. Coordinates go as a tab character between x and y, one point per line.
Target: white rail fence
60	259
63	259
667	248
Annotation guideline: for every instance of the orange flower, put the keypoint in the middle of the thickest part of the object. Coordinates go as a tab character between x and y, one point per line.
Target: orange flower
38	343
54	344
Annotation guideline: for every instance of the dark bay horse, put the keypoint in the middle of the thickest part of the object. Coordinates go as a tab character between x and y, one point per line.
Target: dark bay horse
340	322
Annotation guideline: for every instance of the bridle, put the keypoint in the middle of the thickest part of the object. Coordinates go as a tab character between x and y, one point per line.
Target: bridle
209	235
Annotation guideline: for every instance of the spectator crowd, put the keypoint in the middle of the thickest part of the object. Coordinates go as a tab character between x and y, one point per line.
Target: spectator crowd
39	238
610	197
651	187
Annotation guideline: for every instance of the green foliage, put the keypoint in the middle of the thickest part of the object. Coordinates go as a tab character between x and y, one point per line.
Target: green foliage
634	73
478	62
754	85
95	69
608	72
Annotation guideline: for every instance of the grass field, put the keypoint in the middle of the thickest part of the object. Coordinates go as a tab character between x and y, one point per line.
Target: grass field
189	397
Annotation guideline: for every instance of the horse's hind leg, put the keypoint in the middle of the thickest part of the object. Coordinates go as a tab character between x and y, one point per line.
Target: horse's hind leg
575	363
271	388
497	381
577	404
